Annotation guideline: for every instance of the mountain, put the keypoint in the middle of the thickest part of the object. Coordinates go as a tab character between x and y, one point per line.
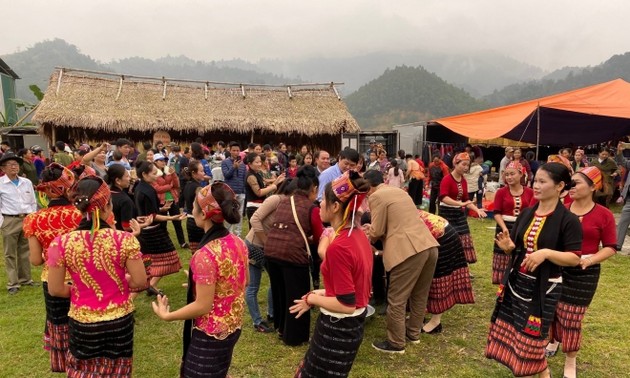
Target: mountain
407	94
35	64
480	73
565	79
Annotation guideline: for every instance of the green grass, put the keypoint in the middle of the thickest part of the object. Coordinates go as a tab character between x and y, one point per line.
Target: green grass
457	352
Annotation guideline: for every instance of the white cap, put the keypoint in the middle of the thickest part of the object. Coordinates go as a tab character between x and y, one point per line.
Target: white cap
157	157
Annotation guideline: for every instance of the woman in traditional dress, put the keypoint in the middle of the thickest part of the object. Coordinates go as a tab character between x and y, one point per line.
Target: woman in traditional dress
195	175
579	283
451	283
154	239
544	238
509	202
579	160
453	197
216	286
347	273
288	257
40	228
103	263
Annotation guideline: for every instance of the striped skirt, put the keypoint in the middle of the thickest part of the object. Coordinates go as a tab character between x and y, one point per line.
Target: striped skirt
578	289
208	357
103	349
156	243
451	283
194	234
333	347
500	259
56	332
507	343
457	218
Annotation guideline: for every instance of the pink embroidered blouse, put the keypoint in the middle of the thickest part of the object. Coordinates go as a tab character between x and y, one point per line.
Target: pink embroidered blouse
223	263
100	291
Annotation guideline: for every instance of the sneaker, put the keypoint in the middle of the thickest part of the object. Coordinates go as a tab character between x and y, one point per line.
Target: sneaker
31	283
412	340
385	346
263	327
13	290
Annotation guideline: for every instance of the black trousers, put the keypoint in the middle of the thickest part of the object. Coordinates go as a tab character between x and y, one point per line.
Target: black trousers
415	191
289	282
435	193
177	225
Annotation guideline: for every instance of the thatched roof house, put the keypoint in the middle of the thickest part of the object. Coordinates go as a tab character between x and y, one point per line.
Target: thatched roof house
81	105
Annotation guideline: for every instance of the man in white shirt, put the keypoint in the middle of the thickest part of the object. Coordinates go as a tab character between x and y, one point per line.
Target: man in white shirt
17	200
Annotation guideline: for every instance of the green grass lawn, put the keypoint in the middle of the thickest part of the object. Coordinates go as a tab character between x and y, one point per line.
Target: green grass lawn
457	352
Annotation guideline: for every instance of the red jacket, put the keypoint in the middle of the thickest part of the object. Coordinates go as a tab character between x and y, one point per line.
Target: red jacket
167	183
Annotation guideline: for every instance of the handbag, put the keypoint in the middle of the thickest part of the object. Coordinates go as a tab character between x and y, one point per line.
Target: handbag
255	254
299	226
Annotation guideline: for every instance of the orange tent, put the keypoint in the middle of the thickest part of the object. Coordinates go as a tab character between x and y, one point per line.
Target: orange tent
584	116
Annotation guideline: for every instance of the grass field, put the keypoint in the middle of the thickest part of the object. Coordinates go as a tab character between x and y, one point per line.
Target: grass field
457	352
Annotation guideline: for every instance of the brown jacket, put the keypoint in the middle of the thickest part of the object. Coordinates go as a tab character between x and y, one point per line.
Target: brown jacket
263	218
395	220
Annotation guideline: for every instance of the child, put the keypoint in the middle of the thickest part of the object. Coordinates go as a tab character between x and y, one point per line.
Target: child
395	176
293	167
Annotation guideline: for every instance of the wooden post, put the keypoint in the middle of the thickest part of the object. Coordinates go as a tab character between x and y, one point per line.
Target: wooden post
59	81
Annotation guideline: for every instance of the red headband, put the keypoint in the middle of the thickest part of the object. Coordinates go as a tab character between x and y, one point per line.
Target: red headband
208	204
57	188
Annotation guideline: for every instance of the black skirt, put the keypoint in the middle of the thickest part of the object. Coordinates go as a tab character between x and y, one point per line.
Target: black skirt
579	285
194	233
109	339
207	357
333	347
155	240
456	218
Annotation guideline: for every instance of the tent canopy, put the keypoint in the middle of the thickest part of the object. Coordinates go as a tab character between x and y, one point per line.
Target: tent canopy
589	115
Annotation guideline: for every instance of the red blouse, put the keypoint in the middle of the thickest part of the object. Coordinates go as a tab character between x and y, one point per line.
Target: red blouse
457	190
507	204
598	225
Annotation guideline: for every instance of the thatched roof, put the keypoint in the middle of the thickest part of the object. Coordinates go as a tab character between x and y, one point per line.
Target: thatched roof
99	103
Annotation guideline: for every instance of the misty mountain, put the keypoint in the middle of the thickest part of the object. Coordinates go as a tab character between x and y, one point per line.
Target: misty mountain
35	64
565	79
479	73
407	94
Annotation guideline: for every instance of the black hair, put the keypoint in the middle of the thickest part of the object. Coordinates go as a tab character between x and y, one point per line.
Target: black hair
84	192
22	152
51	173
267	147
123	142
374	177
306	179
292	157
146	145
176	148
349	154
394	164
228	203
59	145
158	142
252	145
197	151
250	157
115	171
401	154
117	155
221	143
194	166
234	144
530	155
144	167
558	173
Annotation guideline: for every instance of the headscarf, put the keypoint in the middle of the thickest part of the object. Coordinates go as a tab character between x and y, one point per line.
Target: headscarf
562	160
97	202
209	206
57	188
461	156
346	192
515	165
595	175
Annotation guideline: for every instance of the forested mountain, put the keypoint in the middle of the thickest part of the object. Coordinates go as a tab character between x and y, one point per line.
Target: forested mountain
35	64
407	94
569	78
479	73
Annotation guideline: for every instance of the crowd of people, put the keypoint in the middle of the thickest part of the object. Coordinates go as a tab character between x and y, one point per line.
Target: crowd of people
96	219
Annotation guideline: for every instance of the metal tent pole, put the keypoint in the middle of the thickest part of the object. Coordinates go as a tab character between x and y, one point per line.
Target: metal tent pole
537	130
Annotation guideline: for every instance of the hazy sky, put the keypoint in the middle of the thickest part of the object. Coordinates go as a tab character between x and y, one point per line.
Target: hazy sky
549	34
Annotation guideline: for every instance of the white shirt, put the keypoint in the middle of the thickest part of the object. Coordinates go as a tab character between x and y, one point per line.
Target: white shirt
15	200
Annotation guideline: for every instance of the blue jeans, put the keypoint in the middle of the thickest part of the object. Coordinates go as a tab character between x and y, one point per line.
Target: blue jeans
622	226
251	295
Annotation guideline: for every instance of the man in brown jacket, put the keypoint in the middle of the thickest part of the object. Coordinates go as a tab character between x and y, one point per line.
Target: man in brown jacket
409	255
